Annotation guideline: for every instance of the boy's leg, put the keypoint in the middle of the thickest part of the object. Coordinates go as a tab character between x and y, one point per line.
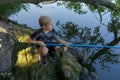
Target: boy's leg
43	50
52	50
52	53
42	55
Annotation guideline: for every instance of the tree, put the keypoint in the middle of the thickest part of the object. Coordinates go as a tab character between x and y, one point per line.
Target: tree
7	10
95	3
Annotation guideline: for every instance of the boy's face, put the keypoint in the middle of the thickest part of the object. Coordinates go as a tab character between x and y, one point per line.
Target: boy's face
47	27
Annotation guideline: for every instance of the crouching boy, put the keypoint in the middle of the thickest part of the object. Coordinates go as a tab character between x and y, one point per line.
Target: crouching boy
46	34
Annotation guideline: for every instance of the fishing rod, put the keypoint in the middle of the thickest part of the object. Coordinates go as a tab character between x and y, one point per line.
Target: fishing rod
84	45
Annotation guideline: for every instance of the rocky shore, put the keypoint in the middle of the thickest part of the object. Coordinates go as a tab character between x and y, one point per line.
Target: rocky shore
20	60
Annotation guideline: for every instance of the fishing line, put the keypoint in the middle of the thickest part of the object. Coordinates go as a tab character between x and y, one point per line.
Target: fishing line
84	45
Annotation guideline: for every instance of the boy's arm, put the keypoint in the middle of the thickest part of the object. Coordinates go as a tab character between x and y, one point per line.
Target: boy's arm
62	42
56	37
29	40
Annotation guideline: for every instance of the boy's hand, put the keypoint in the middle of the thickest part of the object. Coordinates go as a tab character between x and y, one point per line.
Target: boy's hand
68	44
41	43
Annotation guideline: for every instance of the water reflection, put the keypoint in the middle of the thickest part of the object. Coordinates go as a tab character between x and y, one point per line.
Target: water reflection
113	26
56	13
82	29
84	35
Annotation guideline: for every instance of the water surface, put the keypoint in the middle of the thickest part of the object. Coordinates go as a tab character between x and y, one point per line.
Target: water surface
61	13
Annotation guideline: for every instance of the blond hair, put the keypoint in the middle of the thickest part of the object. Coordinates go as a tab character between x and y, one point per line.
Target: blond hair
44	20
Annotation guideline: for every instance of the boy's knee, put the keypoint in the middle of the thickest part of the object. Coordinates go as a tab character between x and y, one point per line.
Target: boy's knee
43	51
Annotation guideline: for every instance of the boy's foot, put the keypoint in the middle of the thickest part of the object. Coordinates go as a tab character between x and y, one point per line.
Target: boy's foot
53	58
44	61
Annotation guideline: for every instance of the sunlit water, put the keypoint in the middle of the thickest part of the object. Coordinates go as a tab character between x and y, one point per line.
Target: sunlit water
63	14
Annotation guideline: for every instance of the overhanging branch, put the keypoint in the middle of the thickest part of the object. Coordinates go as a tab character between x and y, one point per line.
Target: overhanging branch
102	51
95	3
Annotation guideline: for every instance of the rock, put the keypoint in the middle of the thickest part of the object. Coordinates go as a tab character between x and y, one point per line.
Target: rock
69	67
6	48
79	54
27	64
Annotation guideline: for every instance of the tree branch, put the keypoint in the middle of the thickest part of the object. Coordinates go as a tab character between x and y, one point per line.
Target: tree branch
102	51
95	3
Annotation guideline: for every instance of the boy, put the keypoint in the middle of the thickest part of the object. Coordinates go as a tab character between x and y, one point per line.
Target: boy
43	36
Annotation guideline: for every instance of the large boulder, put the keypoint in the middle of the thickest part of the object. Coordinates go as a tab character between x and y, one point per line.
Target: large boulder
27	65
70	68
6	47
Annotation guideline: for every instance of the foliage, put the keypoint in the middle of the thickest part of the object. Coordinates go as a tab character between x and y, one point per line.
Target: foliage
117	12
93	9
75	6
84	35
77	34
113	26
7	10
5	75
21	32
69	30
109	58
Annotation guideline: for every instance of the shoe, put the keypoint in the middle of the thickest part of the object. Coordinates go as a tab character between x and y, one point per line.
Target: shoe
53	58
43	61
